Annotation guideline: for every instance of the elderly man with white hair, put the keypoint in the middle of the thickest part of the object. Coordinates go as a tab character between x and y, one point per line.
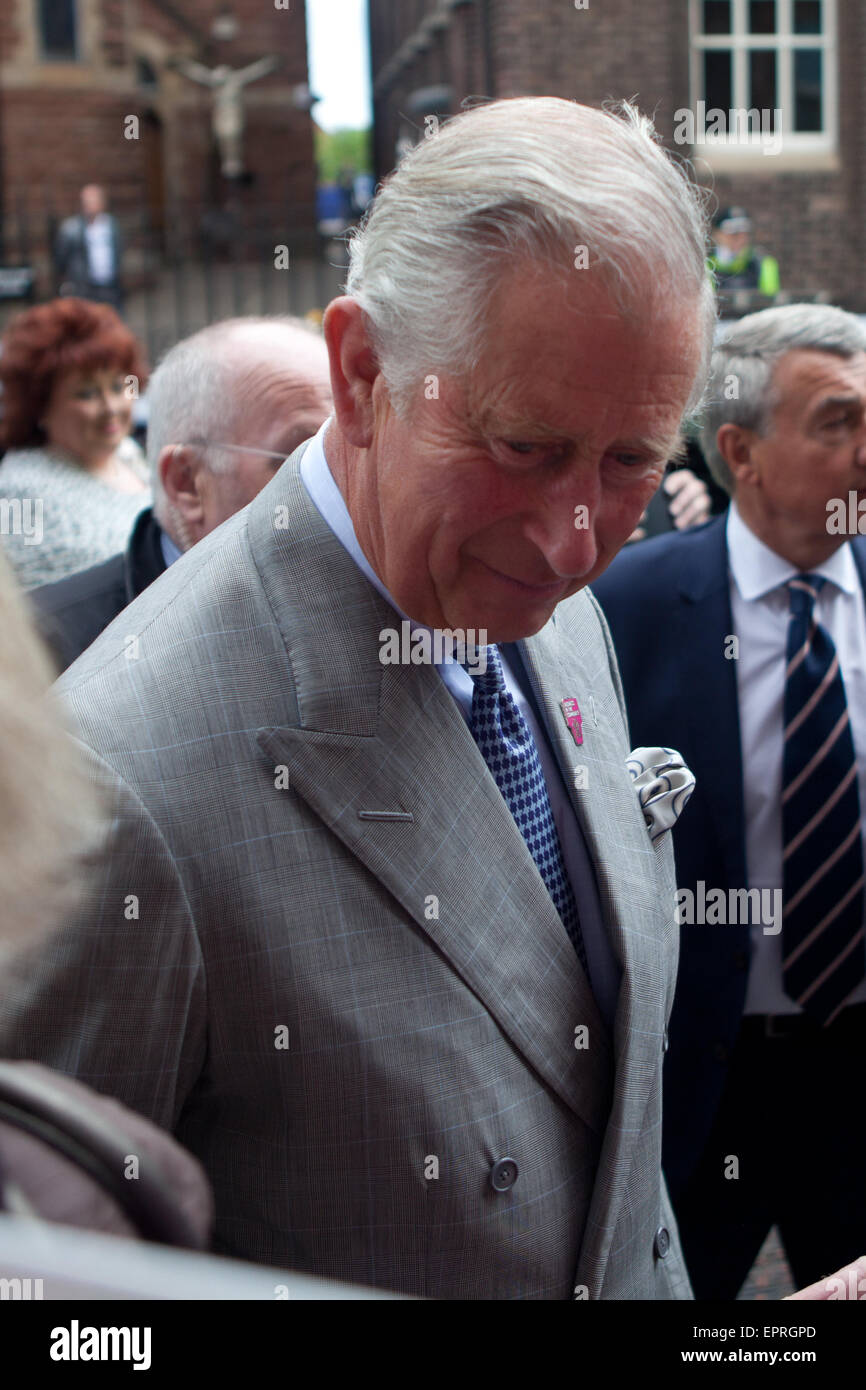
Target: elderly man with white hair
743	643
381	931
225	408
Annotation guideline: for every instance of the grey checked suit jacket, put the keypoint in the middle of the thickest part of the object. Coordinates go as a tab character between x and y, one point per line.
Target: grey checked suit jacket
330	1010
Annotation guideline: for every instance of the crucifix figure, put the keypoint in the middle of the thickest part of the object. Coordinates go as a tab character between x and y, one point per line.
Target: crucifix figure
227	85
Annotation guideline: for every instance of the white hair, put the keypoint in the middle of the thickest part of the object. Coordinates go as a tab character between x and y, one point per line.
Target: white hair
533	178
747	357
192	395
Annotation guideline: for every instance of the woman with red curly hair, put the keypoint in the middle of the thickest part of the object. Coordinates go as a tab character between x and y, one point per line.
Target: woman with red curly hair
71	481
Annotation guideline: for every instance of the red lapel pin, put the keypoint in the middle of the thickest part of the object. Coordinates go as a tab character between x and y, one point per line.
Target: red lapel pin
571	711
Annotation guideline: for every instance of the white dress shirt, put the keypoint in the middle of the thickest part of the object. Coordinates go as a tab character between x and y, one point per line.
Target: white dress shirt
760	606
100	250
603	967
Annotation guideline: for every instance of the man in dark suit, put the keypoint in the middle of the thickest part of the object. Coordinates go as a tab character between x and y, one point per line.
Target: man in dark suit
226	407
743	644
88	251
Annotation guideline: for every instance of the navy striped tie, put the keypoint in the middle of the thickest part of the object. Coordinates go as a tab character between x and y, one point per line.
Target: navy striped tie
508	748
822	936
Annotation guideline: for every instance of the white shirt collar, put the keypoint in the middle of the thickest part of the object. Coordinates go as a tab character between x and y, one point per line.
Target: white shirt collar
757	570
319	482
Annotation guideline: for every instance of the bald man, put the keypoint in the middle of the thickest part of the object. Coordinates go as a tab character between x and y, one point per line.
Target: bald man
226	407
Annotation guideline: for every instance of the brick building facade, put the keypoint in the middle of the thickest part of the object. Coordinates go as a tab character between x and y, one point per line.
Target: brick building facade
72	73
803	180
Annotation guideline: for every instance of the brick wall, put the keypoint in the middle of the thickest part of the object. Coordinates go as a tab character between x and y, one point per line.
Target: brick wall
810	218
62	124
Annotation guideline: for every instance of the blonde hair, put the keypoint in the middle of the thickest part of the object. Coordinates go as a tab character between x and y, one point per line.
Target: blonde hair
49	811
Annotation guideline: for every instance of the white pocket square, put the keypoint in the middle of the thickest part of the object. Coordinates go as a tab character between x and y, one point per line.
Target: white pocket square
663	784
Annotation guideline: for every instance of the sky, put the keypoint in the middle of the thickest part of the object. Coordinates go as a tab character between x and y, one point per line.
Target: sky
339	61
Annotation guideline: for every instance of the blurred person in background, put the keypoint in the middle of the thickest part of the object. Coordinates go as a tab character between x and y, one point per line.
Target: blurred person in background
735	262
225	408
48	812
71	480
52	819
88	251
682	501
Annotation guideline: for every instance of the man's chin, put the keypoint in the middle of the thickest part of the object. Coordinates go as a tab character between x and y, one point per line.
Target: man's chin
485	618
495	625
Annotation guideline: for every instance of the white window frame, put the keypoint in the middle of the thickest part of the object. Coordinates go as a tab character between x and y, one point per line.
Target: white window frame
785	42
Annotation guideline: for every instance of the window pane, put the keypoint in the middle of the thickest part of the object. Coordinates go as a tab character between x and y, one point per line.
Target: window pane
762	79
807	16
717	79
717	16
57	28
762	16
807	89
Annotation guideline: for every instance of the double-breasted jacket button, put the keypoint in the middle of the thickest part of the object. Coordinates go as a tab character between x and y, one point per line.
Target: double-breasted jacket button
503	1174
662	1242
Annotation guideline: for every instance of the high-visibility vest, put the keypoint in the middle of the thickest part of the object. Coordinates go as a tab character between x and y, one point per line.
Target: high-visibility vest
751	270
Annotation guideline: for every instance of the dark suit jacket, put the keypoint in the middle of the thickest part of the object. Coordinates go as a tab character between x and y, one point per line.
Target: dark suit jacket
668	605
71	613
70	256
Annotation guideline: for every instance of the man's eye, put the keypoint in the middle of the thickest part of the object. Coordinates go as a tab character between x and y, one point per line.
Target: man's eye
632	460
517	447
835	424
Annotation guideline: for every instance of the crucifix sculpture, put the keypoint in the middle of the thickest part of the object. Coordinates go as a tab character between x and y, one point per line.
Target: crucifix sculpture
227	120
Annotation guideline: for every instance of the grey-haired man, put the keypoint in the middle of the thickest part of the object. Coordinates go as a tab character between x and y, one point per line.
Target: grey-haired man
389	946
744	643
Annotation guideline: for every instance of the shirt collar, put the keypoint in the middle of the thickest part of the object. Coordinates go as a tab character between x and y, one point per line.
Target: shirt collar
319	482
170	552
757	570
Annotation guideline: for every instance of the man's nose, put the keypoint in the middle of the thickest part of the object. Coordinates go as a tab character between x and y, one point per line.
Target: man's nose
564	532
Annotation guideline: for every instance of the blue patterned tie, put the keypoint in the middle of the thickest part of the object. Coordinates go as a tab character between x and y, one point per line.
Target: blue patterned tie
822	934
508	748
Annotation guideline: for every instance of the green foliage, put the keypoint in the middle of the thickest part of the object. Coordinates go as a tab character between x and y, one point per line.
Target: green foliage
339	149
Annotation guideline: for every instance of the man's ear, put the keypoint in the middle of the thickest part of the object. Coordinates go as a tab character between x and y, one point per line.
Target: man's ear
354	369
737	447
180	471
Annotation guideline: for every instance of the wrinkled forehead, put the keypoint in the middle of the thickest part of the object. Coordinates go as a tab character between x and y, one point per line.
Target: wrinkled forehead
804	378
551	349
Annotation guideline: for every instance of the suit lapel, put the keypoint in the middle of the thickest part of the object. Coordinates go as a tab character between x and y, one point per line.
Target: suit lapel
710	706
390	739
608	787
640	928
